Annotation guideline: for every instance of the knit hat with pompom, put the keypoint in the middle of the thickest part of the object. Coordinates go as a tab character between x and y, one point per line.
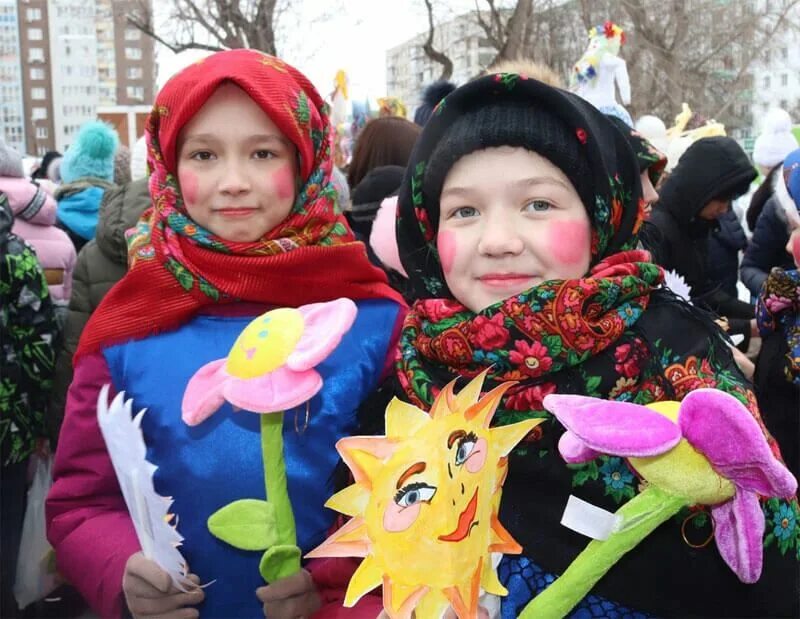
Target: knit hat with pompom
91	153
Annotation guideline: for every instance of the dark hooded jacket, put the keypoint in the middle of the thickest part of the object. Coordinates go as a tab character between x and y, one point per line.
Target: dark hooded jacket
101	264
712	168
767	248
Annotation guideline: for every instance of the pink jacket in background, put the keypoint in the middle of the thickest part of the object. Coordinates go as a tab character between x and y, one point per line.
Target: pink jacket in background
34	220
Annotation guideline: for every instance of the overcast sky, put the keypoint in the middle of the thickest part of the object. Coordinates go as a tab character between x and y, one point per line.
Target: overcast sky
354	38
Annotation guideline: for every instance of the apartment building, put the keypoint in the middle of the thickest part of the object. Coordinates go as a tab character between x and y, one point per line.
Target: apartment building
72	56
12	126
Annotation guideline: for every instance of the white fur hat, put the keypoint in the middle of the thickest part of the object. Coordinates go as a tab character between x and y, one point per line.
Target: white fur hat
653	129
776	139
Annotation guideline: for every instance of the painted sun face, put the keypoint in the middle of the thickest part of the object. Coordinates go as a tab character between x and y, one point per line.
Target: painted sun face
425	504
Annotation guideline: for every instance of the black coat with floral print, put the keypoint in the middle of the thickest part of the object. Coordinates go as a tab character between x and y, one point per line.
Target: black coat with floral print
671	350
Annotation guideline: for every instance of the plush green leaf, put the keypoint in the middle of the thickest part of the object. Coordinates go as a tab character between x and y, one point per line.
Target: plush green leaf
247	524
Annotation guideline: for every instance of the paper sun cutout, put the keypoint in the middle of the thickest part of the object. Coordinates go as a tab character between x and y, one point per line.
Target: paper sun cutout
269	369
706	450
149	510
425	504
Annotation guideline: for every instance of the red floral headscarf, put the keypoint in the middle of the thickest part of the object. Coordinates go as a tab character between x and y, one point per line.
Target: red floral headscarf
177	267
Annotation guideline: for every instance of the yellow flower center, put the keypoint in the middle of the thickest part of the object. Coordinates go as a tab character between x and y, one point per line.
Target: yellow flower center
532	362
266	343
785	523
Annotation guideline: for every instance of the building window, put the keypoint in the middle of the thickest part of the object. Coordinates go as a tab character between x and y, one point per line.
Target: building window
135	92
135	73
132	34
33	14
37	73
34	34
766	81
785	53
41	133
35	54
784	79
133	53
39	113
38	94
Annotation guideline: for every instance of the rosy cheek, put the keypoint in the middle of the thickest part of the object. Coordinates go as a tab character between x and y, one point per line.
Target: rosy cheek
188	183
446	245
282	182
396	518
477	459
569	241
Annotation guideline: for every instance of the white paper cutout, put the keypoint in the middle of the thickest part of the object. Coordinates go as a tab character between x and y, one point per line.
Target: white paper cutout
678	285
149	510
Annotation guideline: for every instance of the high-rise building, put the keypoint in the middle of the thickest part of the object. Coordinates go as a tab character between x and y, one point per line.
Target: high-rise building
12	125
65	58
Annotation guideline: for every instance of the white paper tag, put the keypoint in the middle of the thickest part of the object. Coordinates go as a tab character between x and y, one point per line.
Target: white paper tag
588	519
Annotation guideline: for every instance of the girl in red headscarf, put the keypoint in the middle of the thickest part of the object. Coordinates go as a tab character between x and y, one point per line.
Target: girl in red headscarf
244	218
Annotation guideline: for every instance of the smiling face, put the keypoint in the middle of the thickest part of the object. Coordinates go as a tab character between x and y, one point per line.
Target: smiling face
425	504
509	220
236	170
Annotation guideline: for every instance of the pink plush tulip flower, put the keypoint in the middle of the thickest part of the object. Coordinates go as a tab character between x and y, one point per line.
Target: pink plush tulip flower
705	450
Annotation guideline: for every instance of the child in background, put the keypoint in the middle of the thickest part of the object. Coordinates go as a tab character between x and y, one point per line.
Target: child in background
27	356
244	219
777	377
34	212
87	172
518	222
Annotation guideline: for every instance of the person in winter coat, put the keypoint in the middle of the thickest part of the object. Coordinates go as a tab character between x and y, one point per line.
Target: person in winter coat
518	227
27	332
725	244
710	174
34	212
102	262
87	172
766	248
244	220
777	377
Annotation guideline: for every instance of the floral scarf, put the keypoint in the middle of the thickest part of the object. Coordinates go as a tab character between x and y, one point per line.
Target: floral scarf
778	309
554	325
178	267
612	334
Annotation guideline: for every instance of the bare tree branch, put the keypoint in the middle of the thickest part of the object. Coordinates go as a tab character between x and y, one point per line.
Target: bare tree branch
433	53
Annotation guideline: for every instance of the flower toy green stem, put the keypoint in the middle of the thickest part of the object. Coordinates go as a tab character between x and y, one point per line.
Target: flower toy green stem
706	450
269	369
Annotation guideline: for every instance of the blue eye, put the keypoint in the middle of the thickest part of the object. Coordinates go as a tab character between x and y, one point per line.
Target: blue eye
465	446
418	492
538	206
463	212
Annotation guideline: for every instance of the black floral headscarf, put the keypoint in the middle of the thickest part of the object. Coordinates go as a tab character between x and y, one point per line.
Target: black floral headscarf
616	214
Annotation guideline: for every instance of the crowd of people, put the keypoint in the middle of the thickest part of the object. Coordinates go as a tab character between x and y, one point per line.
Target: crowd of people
513	228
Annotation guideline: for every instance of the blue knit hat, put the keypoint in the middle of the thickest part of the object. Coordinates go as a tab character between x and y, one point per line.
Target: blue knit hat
787	186
91	153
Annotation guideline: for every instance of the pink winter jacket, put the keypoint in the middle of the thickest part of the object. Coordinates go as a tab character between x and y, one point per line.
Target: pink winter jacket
34	220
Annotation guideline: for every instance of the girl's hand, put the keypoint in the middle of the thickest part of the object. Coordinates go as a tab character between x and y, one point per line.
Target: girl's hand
150	592
291	597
